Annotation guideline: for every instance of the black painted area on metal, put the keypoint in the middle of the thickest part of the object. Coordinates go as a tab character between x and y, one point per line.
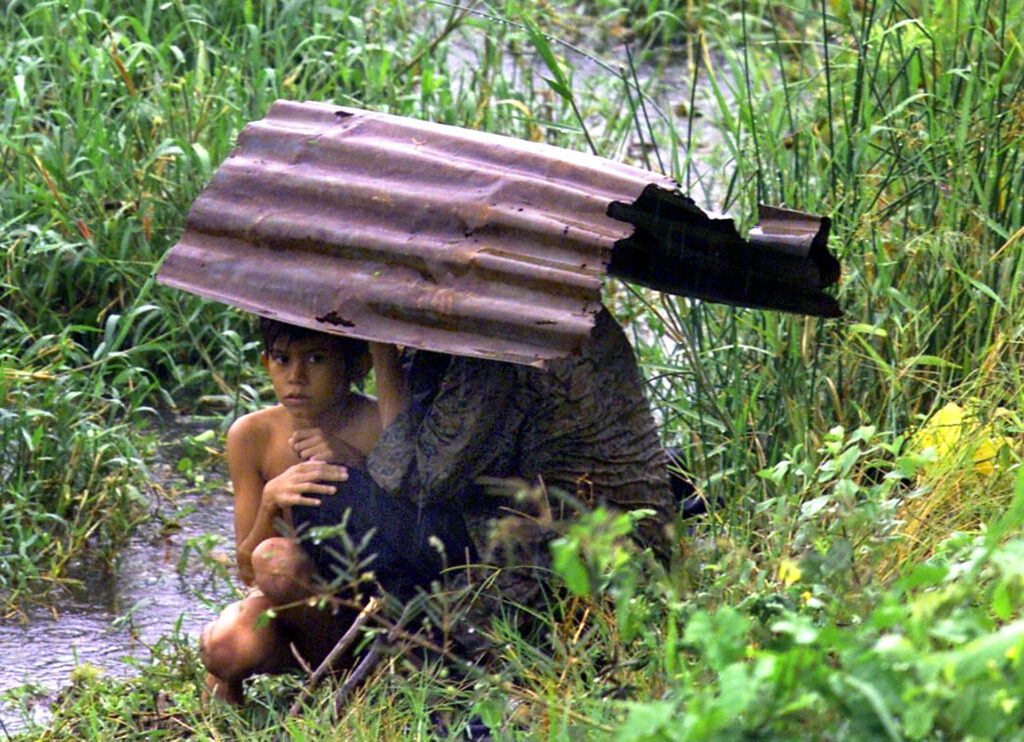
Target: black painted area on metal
678	248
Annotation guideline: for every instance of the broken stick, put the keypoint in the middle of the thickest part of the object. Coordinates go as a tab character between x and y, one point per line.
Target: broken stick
328	665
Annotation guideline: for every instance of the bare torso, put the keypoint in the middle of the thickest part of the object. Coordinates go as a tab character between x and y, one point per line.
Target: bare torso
260	448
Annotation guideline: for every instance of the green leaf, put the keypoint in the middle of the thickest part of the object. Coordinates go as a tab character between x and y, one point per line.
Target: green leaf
108	331
722	637
671	657
570	567
847	459
37	437
839	557
645	721
1002	605
983	288
919	718
862	329
560	88
202	158
738	689
540	43
923	575
1014	515
814	506
877	703
926	360
976	658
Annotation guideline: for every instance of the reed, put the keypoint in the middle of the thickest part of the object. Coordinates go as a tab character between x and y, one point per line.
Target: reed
847	584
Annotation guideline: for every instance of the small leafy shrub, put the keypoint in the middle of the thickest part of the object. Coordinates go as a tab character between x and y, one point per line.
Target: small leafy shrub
823	647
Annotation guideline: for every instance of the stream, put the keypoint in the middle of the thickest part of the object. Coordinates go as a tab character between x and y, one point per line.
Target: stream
114	619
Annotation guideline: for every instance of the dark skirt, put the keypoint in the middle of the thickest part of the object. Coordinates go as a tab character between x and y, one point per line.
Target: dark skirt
401	554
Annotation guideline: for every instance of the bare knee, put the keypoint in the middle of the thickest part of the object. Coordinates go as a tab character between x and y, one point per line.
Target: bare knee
240	641
282	570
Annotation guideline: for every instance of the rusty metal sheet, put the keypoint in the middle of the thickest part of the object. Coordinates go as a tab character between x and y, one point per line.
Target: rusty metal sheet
393	229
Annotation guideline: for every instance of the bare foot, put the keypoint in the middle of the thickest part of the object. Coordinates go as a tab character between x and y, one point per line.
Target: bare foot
224	691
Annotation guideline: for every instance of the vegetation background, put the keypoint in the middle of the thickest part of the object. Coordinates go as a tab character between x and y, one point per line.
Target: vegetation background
860	573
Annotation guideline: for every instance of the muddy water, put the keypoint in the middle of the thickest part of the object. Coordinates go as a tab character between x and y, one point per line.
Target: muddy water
114	619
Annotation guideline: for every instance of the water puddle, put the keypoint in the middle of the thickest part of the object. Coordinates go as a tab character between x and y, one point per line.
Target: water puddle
115	618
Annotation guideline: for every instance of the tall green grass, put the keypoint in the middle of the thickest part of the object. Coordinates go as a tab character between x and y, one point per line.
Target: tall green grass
903	125
114	118
846	585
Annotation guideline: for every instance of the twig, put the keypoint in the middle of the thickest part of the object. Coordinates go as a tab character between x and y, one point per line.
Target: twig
333	656
300	659
368	663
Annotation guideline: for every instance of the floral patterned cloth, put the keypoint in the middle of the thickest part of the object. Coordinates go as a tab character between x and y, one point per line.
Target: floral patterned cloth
582	426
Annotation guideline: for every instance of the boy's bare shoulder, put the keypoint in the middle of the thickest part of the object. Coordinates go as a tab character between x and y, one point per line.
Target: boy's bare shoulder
259	426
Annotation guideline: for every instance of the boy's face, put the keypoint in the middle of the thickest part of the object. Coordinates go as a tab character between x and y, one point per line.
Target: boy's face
308	375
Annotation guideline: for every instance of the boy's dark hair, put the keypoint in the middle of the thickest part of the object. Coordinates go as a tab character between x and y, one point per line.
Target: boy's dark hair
356	353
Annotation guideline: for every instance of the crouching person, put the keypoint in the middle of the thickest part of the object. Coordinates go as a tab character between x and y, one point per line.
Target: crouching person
301	464
582	425
296	454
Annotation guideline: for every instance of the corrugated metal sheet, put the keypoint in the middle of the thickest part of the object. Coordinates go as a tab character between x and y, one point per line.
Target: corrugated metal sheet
393	229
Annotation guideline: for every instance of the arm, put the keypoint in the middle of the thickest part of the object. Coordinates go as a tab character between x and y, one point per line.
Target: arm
315	444
473	427
392	393
244	448
342	435
259	503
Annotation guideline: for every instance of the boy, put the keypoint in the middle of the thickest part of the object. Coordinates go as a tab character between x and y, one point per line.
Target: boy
293	454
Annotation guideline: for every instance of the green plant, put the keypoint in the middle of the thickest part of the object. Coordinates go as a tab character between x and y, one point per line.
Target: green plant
804	605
